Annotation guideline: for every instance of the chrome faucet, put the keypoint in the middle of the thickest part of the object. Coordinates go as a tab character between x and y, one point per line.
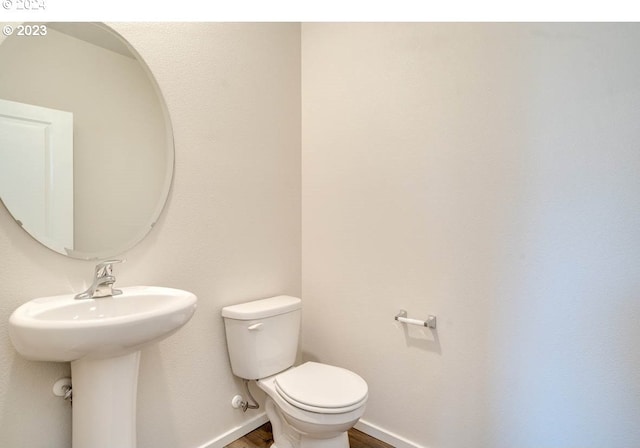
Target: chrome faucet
102	283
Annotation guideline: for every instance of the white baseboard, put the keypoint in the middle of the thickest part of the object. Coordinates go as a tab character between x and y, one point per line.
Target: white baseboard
259	420
237	432
386	436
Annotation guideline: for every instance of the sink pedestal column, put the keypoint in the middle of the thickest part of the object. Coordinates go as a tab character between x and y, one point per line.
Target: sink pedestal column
104	402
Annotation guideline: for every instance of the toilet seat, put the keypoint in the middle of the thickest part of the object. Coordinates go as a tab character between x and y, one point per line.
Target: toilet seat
321	388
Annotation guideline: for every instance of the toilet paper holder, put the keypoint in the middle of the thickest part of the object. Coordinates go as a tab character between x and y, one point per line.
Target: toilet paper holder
430	322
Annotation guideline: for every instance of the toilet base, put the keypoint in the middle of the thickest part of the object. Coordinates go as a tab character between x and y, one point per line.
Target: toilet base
285	436
342	441
304	442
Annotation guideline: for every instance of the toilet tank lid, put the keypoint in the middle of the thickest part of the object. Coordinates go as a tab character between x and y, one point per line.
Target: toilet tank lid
259	309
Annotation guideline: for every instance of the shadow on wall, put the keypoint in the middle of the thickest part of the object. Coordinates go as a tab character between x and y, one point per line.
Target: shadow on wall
156	404
422	338
30	383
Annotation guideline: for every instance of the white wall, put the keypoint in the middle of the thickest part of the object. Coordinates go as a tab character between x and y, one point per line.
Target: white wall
230	232
488	174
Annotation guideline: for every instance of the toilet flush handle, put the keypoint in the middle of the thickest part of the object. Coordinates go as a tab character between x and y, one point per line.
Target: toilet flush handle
255	327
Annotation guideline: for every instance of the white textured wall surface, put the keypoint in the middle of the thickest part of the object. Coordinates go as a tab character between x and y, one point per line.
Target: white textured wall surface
230	233
488	174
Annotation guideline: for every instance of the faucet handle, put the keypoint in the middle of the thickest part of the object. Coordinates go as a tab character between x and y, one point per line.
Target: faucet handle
106	267
102	282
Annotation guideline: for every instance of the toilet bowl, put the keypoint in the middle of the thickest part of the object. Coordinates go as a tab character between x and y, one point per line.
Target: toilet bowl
312	405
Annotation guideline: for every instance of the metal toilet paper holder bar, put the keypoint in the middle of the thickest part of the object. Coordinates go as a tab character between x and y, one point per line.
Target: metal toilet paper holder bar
430	322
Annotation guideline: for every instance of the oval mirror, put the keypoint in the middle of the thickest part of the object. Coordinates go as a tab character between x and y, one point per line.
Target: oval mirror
86	146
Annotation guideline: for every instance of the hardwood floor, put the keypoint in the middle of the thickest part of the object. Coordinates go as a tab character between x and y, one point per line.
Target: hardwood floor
261	438
258	438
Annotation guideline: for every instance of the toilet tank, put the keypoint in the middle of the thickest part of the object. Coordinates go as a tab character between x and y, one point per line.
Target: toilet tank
262	335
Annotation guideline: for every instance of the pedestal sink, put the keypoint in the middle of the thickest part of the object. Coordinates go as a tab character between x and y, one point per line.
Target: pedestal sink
102	339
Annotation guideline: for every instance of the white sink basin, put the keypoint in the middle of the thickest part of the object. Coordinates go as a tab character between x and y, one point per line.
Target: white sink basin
61	328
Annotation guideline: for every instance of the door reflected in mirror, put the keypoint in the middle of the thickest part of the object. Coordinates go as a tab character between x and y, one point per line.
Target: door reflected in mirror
86	147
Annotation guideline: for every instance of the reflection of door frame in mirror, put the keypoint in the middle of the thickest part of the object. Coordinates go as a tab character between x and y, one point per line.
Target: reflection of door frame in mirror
38	187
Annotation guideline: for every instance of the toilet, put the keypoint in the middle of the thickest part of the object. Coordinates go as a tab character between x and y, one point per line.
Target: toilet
312	405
